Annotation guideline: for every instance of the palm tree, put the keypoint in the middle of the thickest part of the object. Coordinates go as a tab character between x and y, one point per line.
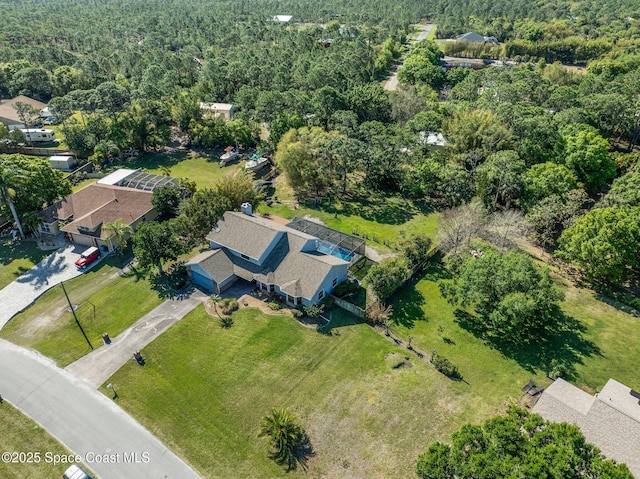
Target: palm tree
9	178
286	436
213	300
120	231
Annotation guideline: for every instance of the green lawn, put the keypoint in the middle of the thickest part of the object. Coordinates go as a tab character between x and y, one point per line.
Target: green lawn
17	257
598	348
82	184
20	433
204	170
432	33
48	326
381	217
204	390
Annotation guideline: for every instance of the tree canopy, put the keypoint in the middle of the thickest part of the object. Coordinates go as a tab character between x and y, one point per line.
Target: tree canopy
517	445
514	300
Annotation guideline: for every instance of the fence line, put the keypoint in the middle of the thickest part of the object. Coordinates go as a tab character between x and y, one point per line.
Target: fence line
349	307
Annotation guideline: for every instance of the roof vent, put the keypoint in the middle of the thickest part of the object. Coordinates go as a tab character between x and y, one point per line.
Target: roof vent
246	208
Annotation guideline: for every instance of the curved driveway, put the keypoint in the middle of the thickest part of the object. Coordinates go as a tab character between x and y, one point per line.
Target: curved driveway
87	422
392	83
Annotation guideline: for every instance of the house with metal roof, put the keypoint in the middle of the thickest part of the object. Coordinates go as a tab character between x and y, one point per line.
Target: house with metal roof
218	110
279	259
610	420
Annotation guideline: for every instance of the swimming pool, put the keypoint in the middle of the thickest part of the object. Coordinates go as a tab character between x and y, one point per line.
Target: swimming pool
333	250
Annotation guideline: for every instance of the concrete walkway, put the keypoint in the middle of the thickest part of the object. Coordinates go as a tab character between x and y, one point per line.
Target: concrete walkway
51	271
97	366
87	422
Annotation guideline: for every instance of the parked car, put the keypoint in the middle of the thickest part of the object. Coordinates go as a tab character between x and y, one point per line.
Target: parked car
76	472
88	257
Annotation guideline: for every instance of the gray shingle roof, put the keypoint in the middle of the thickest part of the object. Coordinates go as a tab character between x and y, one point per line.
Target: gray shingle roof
297	273
610	420
245	234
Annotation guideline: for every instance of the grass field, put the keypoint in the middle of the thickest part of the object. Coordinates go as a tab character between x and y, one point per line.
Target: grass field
117	302
20	433
204	170
382	218
204	390
17	257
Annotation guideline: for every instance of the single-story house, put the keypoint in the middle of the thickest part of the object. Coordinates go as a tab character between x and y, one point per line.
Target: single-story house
279	259
473	37
83	214
8	114
219	110
283	19
610	420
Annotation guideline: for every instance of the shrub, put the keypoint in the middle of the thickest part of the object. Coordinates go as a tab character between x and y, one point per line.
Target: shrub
274	305
296	313
443	365
228	305
344	288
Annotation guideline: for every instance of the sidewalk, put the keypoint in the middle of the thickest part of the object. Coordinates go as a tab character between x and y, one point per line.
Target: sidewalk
97	366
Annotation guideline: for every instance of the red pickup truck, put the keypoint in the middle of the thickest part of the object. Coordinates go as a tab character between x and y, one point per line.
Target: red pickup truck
88	257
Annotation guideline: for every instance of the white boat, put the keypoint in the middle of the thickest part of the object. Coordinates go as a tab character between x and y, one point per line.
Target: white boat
256	162
230	154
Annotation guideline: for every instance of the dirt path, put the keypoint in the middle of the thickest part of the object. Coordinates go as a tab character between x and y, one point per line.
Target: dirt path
392	82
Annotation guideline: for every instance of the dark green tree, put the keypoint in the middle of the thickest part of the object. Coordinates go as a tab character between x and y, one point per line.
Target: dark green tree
517	445
286	437
515	301
154	243
605	243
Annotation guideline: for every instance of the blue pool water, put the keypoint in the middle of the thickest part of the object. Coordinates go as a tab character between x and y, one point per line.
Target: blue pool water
336	251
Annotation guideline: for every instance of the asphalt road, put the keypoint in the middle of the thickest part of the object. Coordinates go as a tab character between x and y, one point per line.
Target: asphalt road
90	424
392	82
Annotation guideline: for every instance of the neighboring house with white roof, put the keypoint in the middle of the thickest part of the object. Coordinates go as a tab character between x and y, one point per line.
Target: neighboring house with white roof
610	420
473	37
218	110
283	19
278	258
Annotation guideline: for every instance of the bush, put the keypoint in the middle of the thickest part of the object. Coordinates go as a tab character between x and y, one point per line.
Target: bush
344	288
297	313
274	305
443	365
228	305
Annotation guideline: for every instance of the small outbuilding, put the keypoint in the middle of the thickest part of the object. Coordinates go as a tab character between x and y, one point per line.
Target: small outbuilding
283	19
62	163
218	110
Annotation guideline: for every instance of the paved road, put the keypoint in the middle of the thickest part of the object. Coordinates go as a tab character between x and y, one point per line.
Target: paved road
84	420
97	366
55	268
392	82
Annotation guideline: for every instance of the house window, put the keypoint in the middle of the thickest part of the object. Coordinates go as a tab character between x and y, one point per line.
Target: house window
244	256
321	294
335	282
45	227
272	288
296	301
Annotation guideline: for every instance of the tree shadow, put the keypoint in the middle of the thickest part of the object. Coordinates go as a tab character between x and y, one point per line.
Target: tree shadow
338	318
565	344
41	273
407	305
298	458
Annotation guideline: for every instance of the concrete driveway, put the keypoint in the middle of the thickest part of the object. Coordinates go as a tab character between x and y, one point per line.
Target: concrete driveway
87	422
55	268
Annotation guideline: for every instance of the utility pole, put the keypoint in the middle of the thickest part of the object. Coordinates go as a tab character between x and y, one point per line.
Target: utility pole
73	311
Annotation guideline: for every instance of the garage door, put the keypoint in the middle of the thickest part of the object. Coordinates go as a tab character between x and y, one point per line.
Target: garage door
203	281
